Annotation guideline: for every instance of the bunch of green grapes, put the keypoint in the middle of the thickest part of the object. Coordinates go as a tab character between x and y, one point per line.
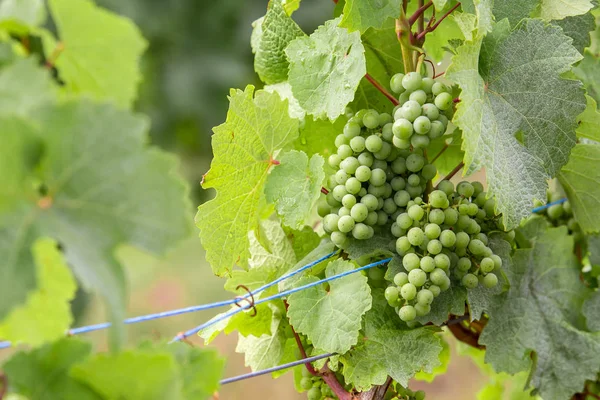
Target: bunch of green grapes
373	181
439	237
561	214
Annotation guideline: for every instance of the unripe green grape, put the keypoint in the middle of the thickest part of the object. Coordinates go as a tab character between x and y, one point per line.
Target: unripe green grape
446	187
349	200
362	192
408	291
401	144
349	165
480	199
403	245
370	201
487	252
373	143
463	209
357	144
346	223
476	247
445	284
415	162
497	261
436	130
412	81
434	246
555	212
430	111
334	160
442	261
411	110
378	177
343	211
339	238
362	231
396	230
401	198
407	313
477	188
422	309
417	277
371	119
386	132
415	236
472	209
438	88
384	119
473	227
435	289
353	185
359	212
419	96
399	110
422	125
483	237
568	210
415	191
486	265
314	394
371	218
414	180
465	189
419	395
448	238
419	142
323	209
416	212
398	183
376	191
427	264
427	84
410	261
392	294
438	198
450	216
432	231
438	277
382	218
464	264
389	206
330	223
464	221
443	101
404	221
428	172
490	280
384	152
425	296
306	383
339	192
396	83
481	214
351	130
363	173
388	190
460	251
402	128
344	151
366	159
340	140
376	274
437	216
331	200
401	278
470	281
341	177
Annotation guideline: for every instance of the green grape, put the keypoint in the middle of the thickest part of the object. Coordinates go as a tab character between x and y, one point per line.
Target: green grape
430	111
470	281
477	187
415	162
414	180
419	96
436	217
438	88
480	199
419	142
387	190
362	192
483	237
435	289
371	218
385	152
387	133
349	200
403	245
306	383
476	247
344	151
361	231
404	221
442	261
399	166
401	278
339	238
349	165
464	221
407	313
448	238
349	112
427	84
443	101
343	211
389	206
410	261
401	143
446	187
464	264
398	183
567	208
419	395
444	120
490	280
339	192
408	291
422	125
353	185
412	81
411	110
432	231
415	191
422	309
463	209
330	223
450	216
373	143
438	277
472	209
487	252
371	119
555	212
346	224
340	140
396	83
357	144
384	119
331	200
417	277
376	274
486	265
497	261
402	128
465	189
428	172
445	284
370	201
359	212
438	198
397	231
427	264
314	394
460	251
382	218
391	294
363	173
415	236
378	177
434	247
401	198
341	177
334	160
351	130
436	130
473	228
366	159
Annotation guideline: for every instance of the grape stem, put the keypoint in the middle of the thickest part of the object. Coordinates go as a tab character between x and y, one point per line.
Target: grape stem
382	89
331	380
419	14
377	392
440	153
452	173
431	28
324	190
3	386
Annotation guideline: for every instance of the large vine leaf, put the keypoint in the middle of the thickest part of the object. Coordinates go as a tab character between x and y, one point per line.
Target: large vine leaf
284	90
540	313
389	348
591	310
578	28
589	121
294	186
318	136
93	39
364	14
581	180
46	315
514	10
559	9
244	149
325	69
520	130
588	70
331	319
277	30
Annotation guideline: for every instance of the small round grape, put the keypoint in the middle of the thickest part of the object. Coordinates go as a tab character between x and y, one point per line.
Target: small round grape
422	125
378	177
447	237
353	185
415	162
422	309
462	240
425	296
344	151
359	212
432	231
371	119
486	265
403	245
427	264
339	238
366	159
407	313
470	281
370	201
434	247
438	277
373	143
490	280
416	212
442	261
438	88
401	198
363	173
412	81
446	187
362	231
346	223
465	189
444	101
351	130
334	160
417	277
357	144
349	200
428	172
391	294
438	198
419	96
402	128
476	247
408	291
401	278
410	261
396	83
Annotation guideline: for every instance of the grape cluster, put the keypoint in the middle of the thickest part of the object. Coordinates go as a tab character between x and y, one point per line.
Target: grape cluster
437	238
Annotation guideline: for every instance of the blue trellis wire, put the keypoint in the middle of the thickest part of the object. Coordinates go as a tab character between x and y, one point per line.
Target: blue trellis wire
545	206
142	318
285	293
274	369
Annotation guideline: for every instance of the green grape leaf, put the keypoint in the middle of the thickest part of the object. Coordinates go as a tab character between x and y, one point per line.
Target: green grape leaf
439	4
291	6
559	9
393	267
490	73
13	13
530	229
97	198
578	28
43	374
294	186
277	31
303	241
381	244
514	10
481	299
588	70
591	310
55	289
452	154
25	88
383	58
388	347
594	248
364	14
93	37
325	69
284	90
244	149
451	301
331	319
589	121
256	34
441	369
580	179
318	136
324	248
540	313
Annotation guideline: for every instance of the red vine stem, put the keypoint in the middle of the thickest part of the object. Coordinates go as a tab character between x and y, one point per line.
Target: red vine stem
324	190
452	173
413	18
382	89
331	380
432	28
